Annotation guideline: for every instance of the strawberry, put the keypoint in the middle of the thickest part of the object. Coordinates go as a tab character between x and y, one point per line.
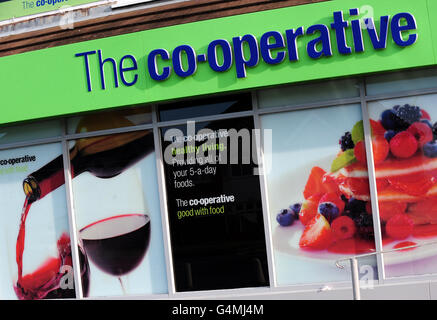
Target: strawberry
422	132
388	209
319	182
377	128
403	145
360	152
380	148
399	227
309	208
317	234
343	228
314	182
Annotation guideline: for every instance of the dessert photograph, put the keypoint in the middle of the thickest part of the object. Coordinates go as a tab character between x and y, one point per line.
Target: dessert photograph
319	198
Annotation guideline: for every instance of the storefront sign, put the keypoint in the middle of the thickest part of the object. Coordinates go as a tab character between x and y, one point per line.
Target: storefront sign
272	48
13	9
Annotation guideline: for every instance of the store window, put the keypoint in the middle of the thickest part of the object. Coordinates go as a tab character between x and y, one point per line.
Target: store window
37	130
399	82
113	119
308	93
318	194
214	205
205	107
35	240
406	181
117	213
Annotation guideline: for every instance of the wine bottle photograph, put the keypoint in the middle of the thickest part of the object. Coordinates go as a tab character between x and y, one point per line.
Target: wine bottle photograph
115	237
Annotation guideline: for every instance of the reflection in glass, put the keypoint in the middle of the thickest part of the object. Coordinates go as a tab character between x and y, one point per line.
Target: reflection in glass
205	107
299	94
104	120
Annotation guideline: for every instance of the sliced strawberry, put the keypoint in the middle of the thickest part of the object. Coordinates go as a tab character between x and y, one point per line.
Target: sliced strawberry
309	208
425	115
377	128
314	182
380	148
317	235
360	152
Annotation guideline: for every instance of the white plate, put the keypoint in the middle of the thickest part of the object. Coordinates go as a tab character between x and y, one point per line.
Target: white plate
288	189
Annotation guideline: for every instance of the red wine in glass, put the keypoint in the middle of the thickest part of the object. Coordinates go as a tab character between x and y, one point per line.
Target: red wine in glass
118	244
46	281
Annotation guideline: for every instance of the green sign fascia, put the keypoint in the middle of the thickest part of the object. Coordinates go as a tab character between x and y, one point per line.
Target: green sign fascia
53	81
20	8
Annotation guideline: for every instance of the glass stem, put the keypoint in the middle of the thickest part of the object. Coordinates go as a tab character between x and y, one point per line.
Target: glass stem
122	285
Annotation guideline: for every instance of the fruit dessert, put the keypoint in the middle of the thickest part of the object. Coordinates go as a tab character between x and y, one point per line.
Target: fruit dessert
336	211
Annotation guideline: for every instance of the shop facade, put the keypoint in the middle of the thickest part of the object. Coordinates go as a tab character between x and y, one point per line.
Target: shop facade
243	156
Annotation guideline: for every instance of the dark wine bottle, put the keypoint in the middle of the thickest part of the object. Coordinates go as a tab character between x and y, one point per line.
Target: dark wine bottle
103	156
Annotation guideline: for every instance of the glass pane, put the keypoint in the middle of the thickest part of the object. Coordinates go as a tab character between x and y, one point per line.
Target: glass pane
407	183
214	206
318	206
31	131
35	243
110	119
401	81
308	93
205	107
118	215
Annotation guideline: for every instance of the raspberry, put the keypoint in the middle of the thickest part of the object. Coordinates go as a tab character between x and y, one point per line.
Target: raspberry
403	145
422	132
346	141
399	227
343	228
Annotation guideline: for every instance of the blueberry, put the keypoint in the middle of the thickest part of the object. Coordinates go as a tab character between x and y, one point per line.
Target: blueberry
389	134
285	217
296	209
329	210
388	119
430	149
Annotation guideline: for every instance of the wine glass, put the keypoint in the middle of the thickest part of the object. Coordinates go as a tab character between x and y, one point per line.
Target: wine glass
118	244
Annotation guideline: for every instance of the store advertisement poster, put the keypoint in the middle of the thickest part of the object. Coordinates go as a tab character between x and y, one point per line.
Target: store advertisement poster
44	243
117	212
214	205
406	184
116	203
303	162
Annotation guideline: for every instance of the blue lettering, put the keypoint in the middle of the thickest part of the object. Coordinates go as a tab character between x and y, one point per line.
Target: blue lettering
324	39
266	47
152	64
397	29
240	60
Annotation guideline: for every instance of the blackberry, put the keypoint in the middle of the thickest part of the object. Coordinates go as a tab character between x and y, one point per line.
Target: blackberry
406	115
434	131
346	141
364	224
355	206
